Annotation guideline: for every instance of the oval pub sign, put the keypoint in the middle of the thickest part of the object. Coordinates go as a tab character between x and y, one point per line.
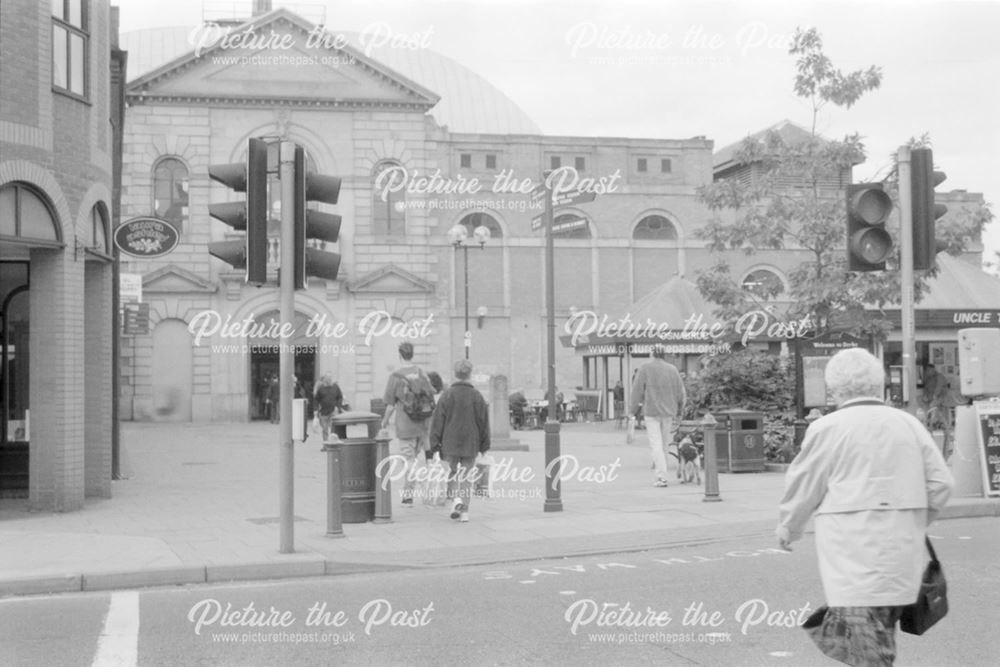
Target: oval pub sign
146	237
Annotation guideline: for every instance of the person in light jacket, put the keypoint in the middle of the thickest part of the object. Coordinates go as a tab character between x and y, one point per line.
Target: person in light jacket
659	388
874	479
460	428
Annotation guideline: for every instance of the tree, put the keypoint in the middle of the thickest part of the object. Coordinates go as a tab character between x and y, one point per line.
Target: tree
794	200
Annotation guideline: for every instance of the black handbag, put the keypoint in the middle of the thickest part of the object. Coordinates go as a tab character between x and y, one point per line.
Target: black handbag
932	602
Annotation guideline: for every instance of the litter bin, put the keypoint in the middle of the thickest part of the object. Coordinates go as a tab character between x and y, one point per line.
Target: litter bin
358	458
739	440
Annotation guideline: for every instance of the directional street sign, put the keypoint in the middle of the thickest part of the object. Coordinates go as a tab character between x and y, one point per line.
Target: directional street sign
567	225
573	197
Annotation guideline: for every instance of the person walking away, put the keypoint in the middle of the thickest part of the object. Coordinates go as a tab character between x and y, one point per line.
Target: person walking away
937	402
409	397
658	388
273	399
460	428
329	400
874	479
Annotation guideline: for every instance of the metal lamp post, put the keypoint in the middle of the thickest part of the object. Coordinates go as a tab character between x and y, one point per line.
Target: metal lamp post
458	235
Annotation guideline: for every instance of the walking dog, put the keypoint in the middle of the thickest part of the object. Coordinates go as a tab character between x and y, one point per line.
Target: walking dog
688	459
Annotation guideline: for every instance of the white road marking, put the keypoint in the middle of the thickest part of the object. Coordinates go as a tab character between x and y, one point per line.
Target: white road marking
567	592
781	654
527	581
118	645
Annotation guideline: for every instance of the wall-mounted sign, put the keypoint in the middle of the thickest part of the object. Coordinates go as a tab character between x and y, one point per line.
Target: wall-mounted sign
146	237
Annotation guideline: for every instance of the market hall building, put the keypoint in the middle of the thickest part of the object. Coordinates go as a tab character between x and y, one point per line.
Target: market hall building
355	114
194	102
61	82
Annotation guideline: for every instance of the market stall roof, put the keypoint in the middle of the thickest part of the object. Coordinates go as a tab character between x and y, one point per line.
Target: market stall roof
960	285
676	306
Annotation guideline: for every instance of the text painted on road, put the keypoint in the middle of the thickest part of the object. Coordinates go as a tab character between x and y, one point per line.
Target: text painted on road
580	568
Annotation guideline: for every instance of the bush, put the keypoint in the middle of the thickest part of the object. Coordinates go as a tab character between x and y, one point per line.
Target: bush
750	380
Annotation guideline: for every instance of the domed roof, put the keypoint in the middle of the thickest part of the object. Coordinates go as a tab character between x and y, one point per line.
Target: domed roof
468	102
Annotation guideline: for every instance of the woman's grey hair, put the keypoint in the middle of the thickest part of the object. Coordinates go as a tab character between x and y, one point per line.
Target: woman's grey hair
854	373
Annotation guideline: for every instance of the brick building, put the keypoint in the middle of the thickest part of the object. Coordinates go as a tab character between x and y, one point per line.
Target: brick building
56	200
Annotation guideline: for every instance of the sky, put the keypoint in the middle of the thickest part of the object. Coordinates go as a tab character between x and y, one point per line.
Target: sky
673	69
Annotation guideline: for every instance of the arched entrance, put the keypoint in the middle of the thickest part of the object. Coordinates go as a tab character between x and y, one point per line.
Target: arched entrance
264	361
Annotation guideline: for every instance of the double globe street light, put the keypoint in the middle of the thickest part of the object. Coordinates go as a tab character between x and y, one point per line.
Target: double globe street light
459	237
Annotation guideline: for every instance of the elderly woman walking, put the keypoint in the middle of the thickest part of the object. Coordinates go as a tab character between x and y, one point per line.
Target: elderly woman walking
874	479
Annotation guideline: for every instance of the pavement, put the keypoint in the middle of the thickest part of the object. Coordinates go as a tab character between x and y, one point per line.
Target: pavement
199	503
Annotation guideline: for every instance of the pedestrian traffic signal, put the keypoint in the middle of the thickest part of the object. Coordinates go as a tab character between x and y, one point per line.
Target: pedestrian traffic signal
868	242
310	224
249	216
923	180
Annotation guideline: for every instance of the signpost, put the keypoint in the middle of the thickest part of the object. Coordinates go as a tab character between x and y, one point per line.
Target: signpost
146	237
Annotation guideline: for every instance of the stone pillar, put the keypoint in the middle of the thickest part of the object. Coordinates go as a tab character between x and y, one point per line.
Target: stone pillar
499	407
500	417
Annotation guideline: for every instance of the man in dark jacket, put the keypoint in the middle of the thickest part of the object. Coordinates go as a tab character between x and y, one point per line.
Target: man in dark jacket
329	400
460	428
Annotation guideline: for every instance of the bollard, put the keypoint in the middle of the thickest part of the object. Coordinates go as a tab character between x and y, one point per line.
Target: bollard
383	489
334	524
708	424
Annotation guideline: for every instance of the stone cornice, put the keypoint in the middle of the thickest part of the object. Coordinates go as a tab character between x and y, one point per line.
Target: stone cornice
140	98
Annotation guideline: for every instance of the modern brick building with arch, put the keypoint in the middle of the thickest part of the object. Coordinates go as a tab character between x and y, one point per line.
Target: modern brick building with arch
57	157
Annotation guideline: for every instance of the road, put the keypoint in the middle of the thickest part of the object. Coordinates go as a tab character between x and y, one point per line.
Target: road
721	603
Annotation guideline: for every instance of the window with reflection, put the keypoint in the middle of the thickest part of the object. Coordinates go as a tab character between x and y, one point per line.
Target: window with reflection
99	230
763	283
655	228
389	199
69	46
170	191
25	214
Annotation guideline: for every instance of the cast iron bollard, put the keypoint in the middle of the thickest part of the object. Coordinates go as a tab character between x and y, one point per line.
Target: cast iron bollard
383	488
334	524
708	424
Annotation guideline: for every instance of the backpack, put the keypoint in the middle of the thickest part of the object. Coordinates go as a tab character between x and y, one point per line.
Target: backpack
416	396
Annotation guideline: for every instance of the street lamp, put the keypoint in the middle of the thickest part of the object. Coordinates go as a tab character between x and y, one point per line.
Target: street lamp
459	237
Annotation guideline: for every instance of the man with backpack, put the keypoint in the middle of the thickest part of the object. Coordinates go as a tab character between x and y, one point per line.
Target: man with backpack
410	397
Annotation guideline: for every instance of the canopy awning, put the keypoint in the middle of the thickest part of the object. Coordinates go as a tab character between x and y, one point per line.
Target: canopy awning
674	314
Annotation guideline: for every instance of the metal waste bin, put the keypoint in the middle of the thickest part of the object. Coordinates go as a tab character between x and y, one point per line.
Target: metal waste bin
358	458
739	440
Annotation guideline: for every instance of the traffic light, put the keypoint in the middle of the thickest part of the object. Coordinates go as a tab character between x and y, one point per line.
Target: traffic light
249	216
923	180
314	224
868	242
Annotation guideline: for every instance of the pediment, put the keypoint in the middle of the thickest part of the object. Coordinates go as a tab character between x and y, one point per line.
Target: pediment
173	279
282	58
390	279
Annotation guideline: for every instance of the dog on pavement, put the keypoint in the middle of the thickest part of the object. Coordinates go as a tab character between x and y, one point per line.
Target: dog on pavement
688	458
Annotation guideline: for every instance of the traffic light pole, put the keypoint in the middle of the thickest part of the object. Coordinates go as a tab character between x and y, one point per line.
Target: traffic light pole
906	279
286	358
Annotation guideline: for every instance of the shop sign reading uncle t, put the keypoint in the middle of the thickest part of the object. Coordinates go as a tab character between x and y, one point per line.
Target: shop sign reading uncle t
146	237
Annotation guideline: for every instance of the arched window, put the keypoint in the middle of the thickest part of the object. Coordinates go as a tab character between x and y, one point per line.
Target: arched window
570	226
170	191
764	283
655	228
473	220
26	215
389	199
99	229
